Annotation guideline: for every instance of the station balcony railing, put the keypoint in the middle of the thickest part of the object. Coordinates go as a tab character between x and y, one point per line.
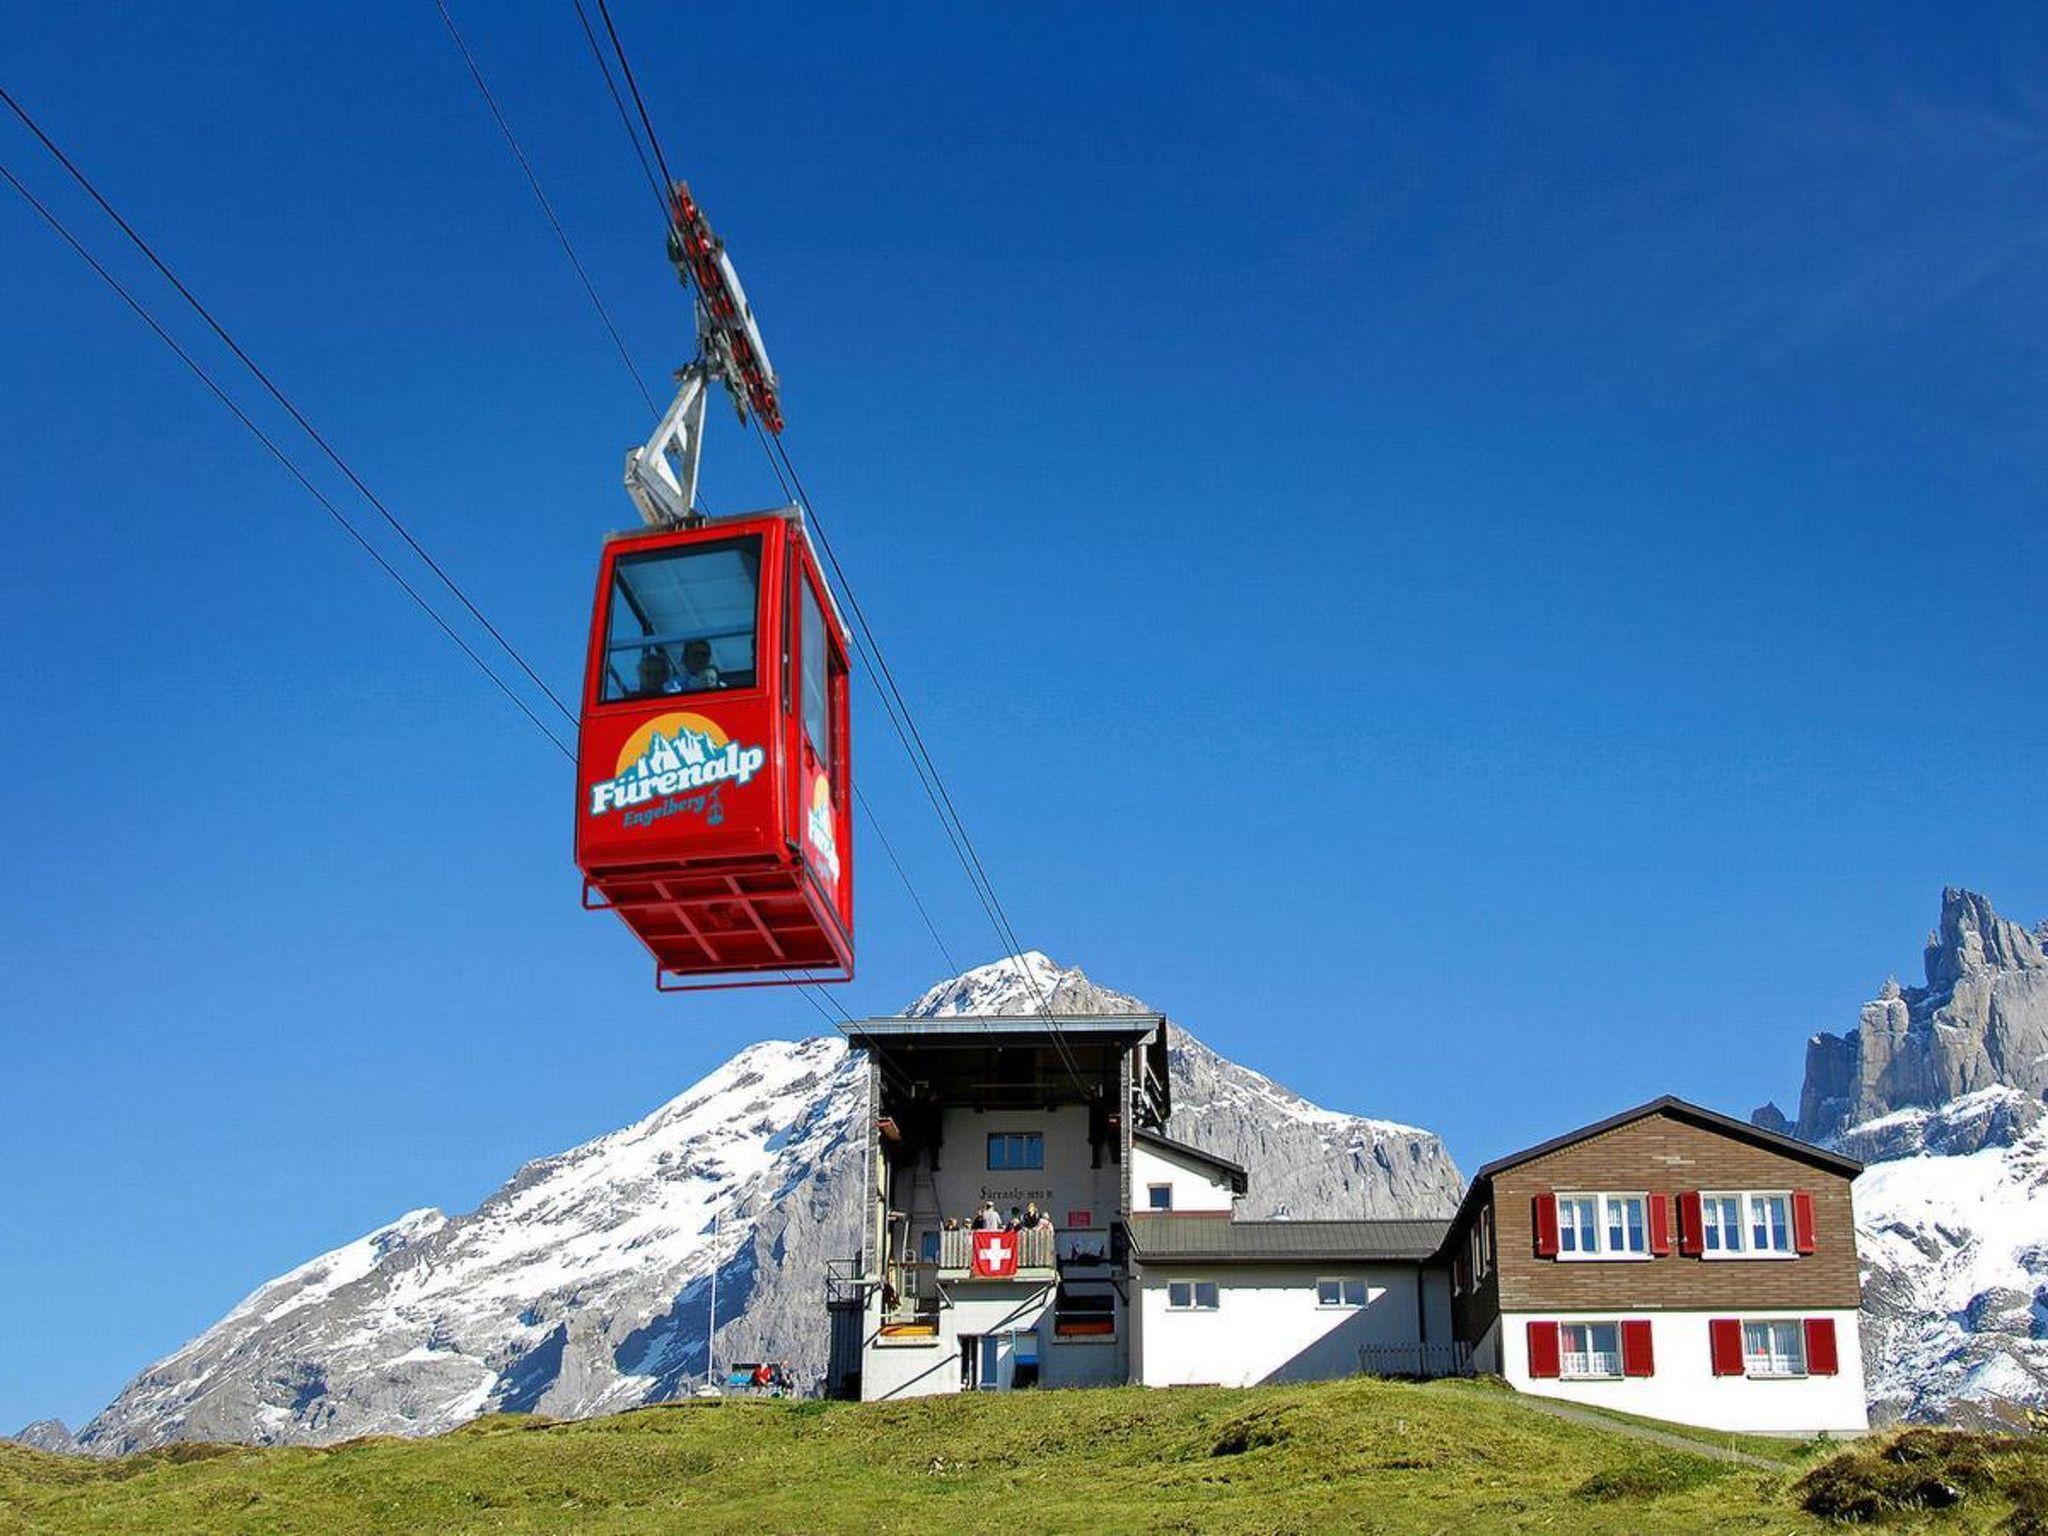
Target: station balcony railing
1037	1254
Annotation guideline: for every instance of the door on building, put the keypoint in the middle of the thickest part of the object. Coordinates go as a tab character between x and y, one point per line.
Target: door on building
987	1362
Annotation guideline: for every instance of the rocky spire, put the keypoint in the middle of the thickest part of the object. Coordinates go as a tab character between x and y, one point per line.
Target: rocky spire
1981	1021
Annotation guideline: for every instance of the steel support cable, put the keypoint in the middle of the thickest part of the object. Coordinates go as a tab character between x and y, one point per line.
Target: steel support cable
639	102
546	207
284	400
278	453
864	653
625	118
875	826
950	817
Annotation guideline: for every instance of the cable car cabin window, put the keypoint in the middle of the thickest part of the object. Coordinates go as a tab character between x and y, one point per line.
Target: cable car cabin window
817	681
682	621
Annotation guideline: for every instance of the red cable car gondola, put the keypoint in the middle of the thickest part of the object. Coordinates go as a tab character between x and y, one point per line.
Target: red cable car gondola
714	761
714	766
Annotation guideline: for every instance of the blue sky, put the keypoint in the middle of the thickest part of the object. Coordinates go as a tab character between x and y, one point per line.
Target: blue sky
1492	566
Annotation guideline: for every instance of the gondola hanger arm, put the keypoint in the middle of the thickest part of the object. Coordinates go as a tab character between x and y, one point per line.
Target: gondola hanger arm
661	474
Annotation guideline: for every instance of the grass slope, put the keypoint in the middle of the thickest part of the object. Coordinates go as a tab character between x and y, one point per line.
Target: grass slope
1356	1455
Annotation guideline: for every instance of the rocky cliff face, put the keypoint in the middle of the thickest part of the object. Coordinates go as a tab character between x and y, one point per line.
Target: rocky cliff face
1981	1021
1939	1089
584	1285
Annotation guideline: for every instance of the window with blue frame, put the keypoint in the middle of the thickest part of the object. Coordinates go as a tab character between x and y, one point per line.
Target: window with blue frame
1015	1149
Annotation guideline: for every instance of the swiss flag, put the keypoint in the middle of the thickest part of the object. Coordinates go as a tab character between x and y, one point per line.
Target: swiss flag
995	1255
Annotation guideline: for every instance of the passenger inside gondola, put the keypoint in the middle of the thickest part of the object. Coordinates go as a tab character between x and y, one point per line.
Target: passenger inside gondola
698	671
656	676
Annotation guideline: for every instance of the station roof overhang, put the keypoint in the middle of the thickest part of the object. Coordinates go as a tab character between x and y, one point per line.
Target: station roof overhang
1017	1059
981	1031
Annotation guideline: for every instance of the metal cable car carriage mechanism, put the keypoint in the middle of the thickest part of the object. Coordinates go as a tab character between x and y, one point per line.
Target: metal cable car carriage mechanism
714	772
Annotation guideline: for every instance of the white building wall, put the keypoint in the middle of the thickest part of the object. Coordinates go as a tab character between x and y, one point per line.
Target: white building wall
1684	1388
901	1367
1268	1327
1196	1187
1068	1185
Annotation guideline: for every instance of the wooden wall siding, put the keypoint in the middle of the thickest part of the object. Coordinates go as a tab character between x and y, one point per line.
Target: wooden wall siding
1661	1153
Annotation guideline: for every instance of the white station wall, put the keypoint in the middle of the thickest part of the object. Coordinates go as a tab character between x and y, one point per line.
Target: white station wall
1070	1185
1268	1326
1685	1390
1195	1186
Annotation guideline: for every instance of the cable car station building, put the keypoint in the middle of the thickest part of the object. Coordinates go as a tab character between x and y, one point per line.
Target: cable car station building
1016	1112
1070	1114
1693	1268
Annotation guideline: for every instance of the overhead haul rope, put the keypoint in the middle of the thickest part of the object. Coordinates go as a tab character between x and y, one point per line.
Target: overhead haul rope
907	733
277	394
278	453
546	207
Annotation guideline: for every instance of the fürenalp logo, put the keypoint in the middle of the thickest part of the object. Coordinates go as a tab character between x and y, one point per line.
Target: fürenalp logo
671	754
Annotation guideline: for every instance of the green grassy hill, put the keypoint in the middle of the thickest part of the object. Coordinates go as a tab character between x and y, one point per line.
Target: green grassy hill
1356	1456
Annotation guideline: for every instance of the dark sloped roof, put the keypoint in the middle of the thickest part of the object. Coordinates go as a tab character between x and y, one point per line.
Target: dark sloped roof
1169	1239
1239	1179
1679	1109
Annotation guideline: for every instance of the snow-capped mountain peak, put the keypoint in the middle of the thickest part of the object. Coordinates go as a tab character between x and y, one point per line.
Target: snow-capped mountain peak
1025	984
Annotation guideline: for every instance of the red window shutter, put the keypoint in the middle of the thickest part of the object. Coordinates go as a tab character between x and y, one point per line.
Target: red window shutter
1637	1358
1660	1224
1821	1359
1545	1212
1725	1333
1544	1357
1691	1225
1802	1221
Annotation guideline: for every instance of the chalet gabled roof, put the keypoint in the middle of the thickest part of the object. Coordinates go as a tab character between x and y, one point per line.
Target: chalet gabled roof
1692	1114
1240	1181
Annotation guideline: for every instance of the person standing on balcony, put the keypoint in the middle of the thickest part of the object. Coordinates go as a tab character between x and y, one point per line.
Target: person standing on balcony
986	1219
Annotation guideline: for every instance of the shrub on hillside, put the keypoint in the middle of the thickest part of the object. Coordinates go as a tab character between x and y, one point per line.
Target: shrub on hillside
1931	1469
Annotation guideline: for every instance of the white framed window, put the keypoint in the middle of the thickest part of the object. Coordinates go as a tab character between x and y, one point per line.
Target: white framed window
1343	1291
1483	1251
1191	1296
1589	1351
1774	1348
1159	1197
1603	1226
1752	1224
